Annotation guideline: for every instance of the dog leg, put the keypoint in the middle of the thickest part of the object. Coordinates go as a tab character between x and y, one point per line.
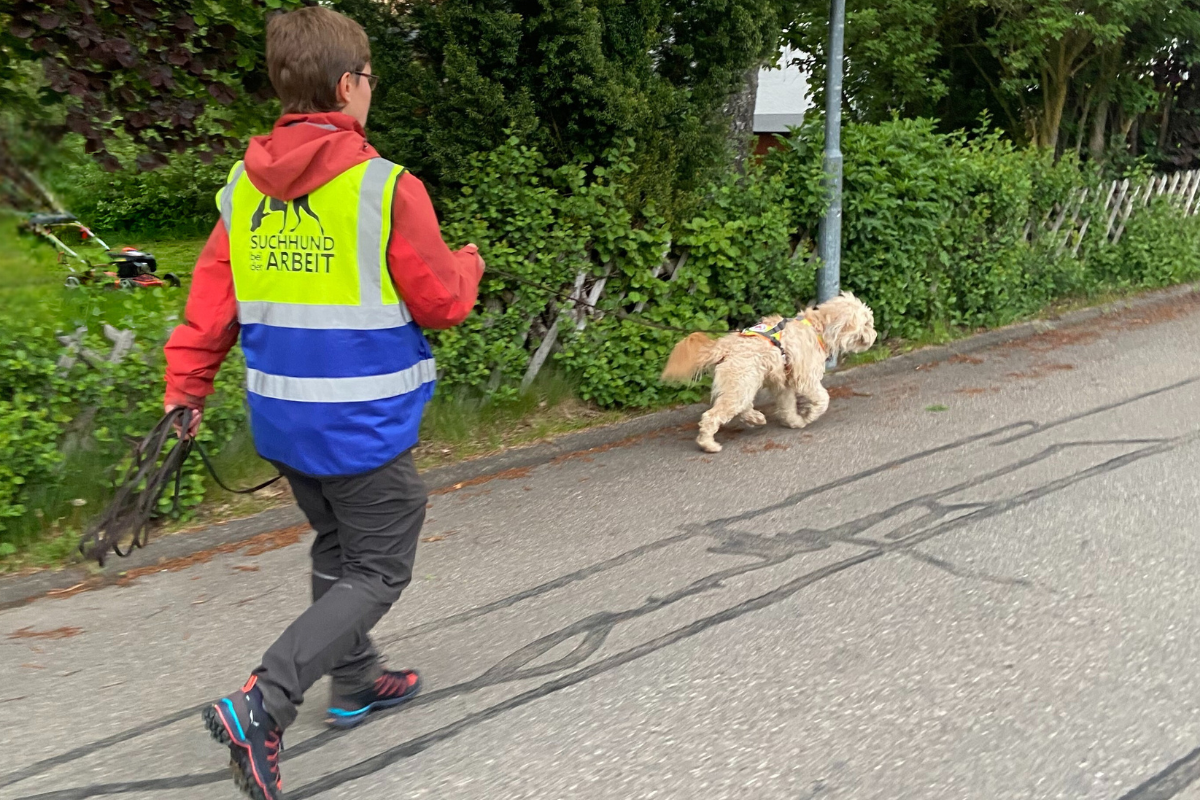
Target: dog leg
753	417
785	409
731	402
818	403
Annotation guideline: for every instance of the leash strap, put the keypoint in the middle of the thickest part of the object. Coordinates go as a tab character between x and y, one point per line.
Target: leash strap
136	499
213	472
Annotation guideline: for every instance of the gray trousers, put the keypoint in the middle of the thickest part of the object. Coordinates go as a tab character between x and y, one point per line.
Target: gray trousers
367	530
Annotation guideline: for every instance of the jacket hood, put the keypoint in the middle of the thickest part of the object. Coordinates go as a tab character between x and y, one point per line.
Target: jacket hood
305	151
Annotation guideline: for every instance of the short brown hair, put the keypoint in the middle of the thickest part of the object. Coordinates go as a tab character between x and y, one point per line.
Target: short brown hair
308	51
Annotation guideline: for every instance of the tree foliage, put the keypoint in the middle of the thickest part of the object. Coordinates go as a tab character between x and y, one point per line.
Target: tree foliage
171	75
1065	75
572	77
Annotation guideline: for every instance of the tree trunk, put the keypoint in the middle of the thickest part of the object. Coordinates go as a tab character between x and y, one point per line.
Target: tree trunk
1055	100
1055	85
740	110
1099	126
1164	123
1085	112
1131	131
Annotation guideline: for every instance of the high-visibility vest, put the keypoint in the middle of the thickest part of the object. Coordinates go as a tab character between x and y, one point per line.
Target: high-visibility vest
337	372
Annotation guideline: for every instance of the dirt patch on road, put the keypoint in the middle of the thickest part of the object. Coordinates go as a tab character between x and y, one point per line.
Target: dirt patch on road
254	546
1054	340
1163	312
506	475
1040	371
628	441
1110	324
65	632
769	444
846	392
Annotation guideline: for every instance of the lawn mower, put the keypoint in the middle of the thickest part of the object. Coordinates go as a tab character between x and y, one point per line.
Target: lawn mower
127	268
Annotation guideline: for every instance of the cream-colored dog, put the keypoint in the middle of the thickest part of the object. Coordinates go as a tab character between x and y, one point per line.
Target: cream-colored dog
786	356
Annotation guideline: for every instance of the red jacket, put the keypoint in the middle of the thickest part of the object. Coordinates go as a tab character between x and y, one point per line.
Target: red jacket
301	154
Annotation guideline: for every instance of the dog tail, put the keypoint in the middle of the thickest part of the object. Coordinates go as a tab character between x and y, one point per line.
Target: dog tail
690	358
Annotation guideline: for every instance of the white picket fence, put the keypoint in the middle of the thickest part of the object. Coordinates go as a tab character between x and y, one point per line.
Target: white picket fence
1071	221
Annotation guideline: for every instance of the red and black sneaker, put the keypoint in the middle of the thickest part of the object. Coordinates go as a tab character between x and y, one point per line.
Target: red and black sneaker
240	722
390	689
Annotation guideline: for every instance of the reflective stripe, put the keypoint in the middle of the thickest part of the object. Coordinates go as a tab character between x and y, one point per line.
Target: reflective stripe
341	390
319	317
325	577
227	196
370	231
322	125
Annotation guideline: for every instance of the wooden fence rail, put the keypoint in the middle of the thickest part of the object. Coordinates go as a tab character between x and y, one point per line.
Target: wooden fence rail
1068	224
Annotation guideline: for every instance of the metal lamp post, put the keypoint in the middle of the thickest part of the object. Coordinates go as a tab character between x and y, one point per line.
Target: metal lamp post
830	233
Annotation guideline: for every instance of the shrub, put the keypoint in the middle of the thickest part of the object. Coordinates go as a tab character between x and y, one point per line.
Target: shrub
66	433
175	199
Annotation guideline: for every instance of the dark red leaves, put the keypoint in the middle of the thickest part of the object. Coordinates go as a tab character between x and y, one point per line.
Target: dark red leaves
222	93
144	9
150	161
21	29
146	68
160	77
44	45
108	162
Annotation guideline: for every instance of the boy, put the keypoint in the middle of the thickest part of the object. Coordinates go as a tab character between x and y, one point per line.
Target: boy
326	258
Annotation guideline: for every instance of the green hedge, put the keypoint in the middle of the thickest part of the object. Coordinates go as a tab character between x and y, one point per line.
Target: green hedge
935	235
177	199
65	432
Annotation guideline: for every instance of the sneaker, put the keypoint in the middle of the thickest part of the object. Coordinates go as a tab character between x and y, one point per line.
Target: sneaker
390	689
240	722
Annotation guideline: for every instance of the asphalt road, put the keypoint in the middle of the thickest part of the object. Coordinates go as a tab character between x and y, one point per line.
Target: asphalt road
996	600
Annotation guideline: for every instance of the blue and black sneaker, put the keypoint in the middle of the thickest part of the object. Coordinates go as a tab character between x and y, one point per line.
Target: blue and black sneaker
390	689
240	722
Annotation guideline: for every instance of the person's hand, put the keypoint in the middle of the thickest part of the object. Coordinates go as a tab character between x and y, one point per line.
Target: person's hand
472	247
193	425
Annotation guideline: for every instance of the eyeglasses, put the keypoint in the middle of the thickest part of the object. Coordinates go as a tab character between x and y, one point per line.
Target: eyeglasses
372	79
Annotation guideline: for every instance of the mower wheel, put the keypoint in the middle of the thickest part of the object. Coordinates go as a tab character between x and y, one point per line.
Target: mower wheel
72	282
171	279
126	283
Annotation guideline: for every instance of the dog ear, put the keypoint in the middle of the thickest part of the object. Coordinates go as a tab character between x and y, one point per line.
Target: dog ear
833	331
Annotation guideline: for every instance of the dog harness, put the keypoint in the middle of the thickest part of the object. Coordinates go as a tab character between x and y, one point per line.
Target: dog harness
774	334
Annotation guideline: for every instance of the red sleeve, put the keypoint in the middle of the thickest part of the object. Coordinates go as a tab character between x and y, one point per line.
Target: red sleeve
438	286
198	346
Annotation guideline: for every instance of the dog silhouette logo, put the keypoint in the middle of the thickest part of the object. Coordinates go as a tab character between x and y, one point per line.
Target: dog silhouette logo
269	205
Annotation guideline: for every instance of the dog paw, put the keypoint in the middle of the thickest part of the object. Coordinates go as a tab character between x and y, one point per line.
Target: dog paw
793	423
754	417
709	445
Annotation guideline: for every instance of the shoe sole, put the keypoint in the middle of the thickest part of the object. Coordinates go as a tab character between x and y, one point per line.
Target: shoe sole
239	755
360	716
